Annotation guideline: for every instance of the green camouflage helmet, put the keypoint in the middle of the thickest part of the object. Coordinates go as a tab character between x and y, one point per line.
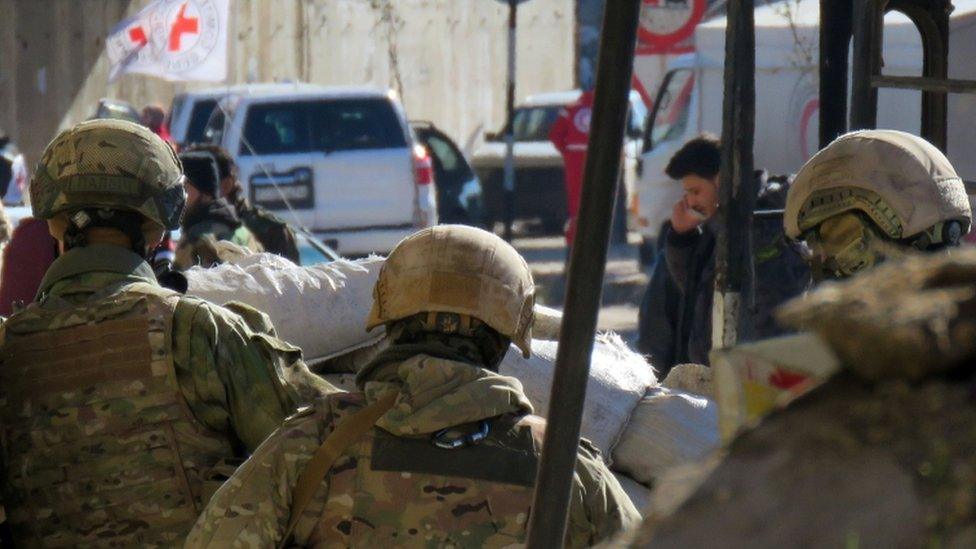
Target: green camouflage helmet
110	164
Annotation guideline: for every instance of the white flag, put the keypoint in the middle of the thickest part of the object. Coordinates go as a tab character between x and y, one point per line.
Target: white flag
176	40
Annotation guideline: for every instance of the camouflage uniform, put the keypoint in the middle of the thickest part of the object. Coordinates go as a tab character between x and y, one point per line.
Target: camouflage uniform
200	233
396	485
122	404
272	232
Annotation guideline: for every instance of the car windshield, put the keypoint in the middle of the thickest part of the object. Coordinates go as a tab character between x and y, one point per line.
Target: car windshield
671	115
322	125
199	117
534	123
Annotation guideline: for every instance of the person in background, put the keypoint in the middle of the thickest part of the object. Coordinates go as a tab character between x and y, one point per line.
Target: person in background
676	315
570	134
154	117
26	258
274	234
209	218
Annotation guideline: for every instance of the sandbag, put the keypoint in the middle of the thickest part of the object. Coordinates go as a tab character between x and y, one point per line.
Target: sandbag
320	308
639	494
668	428
619	377
691	378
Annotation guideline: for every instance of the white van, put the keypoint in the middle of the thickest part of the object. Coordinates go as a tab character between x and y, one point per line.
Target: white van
341	162
689	100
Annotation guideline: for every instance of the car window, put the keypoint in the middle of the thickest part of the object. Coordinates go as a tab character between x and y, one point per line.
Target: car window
444	152
276	128
534	123
353	124
214	131
322	125
199	117
671	112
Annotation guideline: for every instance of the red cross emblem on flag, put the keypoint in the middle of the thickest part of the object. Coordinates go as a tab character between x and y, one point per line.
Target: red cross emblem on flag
138	36
179	40
182	25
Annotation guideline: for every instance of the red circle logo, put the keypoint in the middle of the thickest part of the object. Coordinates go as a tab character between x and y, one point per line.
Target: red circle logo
664	23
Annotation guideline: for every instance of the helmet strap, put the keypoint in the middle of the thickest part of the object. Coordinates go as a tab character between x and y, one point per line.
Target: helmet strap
128	223
944	234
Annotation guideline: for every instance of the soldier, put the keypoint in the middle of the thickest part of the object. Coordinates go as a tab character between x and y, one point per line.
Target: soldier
881	454
271	231
120	401
438	449
208	218
873	194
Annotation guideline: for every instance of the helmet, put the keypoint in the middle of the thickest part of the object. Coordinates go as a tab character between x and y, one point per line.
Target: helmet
902	183
110	164
457	269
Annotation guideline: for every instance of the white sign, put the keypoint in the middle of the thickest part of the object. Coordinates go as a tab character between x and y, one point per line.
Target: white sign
176	40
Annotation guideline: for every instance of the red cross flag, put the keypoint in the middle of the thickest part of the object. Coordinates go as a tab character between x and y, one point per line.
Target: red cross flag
176	40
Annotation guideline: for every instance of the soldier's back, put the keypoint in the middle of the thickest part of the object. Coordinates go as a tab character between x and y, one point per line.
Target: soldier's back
99	446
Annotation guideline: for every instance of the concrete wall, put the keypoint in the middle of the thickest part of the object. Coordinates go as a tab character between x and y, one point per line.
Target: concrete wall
447	57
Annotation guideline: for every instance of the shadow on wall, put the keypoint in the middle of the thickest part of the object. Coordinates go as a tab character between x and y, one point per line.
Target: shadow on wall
49	50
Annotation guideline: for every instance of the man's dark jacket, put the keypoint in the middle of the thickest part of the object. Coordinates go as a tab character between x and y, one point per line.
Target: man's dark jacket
676	317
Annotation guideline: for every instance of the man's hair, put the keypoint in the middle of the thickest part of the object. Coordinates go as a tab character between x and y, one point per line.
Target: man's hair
702	156
225	164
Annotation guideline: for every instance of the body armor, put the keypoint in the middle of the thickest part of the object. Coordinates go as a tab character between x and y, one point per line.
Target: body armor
408	491
100	447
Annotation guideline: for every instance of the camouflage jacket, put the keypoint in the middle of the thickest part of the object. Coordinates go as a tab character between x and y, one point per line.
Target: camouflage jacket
394	487
272	232
216	221
236	376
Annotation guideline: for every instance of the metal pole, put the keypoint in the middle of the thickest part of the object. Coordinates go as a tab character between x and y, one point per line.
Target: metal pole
618	38
835	37
864	97
509	181
737	186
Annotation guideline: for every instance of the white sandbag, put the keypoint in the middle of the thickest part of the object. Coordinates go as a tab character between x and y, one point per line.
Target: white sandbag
619	377
668	428
639	494
546	323
691	378
320	308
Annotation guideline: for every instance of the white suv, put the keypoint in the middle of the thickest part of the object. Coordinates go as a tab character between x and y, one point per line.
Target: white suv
341	162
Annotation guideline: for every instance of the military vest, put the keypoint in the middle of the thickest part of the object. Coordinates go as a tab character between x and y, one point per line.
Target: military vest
99	445
394	491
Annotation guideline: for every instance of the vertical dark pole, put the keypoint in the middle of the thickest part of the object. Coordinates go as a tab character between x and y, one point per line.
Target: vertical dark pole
836	18
737	187
509	173
935	105
867	41
618	37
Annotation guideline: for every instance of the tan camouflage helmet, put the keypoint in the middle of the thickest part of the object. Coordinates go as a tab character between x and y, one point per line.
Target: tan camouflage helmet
110	164
903	183
457	269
